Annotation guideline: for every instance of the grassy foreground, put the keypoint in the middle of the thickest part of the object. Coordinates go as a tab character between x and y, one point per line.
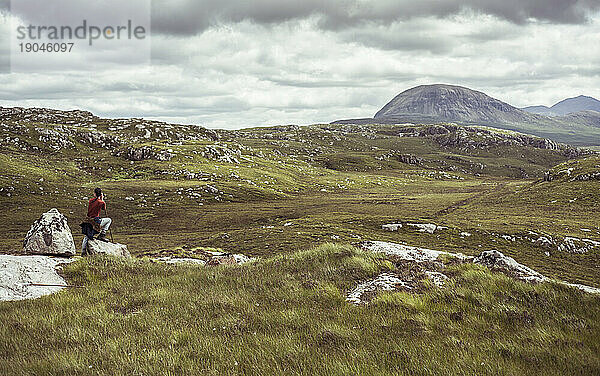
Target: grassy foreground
136	317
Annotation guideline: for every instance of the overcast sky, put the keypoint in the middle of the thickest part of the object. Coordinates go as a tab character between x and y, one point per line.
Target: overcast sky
233	64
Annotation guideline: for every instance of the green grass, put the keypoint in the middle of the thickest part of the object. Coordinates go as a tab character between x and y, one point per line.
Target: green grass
293	190
136	317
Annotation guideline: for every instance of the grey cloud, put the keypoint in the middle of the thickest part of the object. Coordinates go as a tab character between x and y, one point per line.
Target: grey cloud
405	41
317	83
191	17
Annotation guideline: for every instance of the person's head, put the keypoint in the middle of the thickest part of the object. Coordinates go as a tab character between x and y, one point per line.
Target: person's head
98	192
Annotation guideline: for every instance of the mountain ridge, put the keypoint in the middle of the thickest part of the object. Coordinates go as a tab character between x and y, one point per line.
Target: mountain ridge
457	104
567	106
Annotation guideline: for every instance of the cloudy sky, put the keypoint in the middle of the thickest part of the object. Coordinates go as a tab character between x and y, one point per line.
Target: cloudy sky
233	64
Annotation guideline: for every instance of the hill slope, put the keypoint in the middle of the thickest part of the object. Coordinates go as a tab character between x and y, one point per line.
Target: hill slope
452	103
577	104
567	106
540	110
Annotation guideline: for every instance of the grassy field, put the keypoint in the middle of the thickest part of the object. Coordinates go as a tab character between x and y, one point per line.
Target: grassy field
298	198
136	317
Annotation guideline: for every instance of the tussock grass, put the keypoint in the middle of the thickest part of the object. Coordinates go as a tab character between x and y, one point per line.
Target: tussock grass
288	314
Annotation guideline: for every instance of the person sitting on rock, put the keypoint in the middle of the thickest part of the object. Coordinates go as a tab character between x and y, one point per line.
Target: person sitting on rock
95	205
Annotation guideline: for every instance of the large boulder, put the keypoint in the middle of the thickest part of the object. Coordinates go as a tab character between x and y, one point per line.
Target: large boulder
99	247
50	235
29	277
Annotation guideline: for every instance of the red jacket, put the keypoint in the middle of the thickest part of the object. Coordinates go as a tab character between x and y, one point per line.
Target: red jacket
94	207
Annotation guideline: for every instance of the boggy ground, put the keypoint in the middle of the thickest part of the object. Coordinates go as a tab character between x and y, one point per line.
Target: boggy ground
485	209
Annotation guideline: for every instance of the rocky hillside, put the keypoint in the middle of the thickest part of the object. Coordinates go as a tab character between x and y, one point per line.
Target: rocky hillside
585	169
592	118
328	249
446	103
153	169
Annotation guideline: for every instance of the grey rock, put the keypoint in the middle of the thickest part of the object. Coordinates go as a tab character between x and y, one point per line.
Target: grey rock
391	226
50	235
29	277
143	153
383	282
98	247
576	245
497	260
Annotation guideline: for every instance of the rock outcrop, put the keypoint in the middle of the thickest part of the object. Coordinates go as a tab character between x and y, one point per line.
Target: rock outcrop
228	259
50	235
407	252
417	264
496	260
210	259
575	245
98	247
383	282
144	153
29	277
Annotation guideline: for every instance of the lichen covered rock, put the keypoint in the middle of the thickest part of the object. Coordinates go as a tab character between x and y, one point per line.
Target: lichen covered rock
50	235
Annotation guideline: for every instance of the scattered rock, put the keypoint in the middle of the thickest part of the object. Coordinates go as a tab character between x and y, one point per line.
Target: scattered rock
50	235
98	247
437	278
427	259
18	273
222	260
228	259
407	252
497	260
180	260
143	153
427	227
221	153
576	245
383	282
391	226
545	242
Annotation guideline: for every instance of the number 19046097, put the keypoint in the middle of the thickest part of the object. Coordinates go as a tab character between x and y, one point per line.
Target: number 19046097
46	47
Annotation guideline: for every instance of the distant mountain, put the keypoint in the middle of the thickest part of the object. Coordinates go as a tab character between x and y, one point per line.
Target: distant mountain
577	104
567	106
540	110
428	104
590	118
452	103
